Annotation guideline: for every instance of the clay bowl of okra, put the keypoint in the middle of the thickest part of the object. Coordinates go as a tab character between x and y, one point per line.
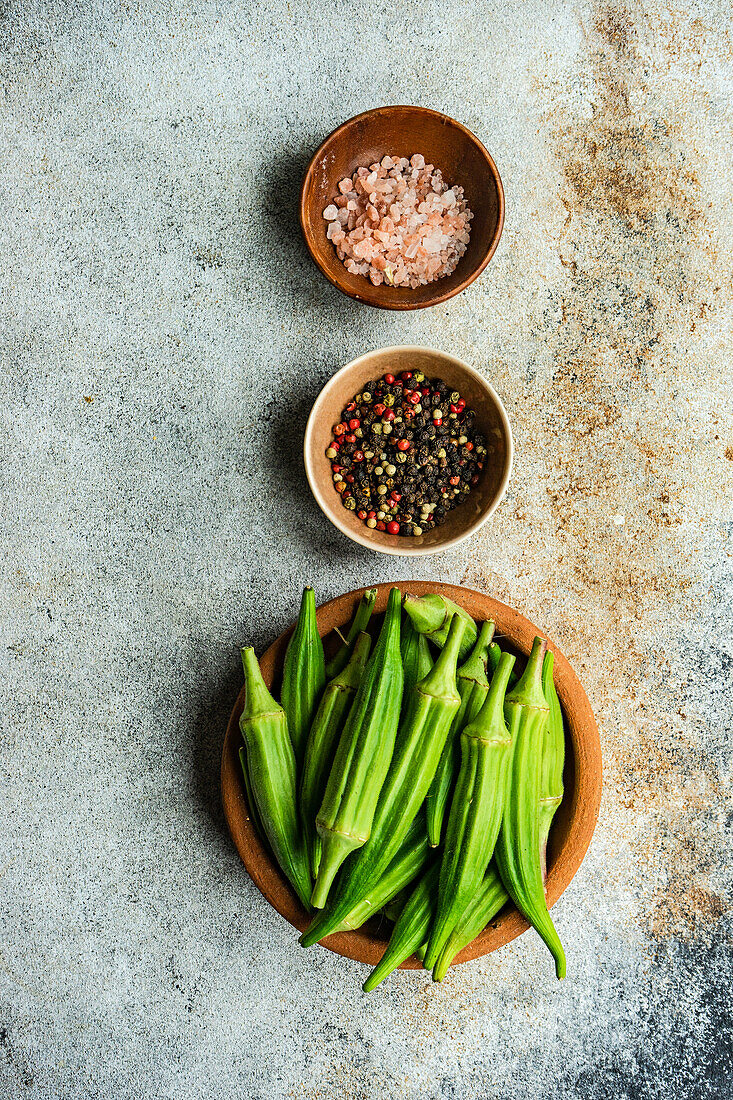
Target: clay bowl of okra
401	207
579	783
441	477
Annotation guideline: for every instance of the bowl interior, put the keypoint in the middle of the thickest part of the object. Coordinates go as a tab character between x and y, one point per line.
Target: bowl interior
573	825
403	131
490	419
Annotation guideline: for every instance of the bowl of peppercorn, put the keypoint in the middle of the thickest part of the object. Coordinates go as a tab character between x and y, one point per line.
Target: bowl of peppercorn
408	450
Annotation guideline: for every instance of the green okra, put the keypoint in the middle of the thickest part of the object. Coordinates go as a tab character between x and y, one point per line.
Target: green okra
344	821
320	750
431	615
553	759
490	897
476	811
358	626
416	659
271	770
410	930
518	845
419	745
251	804
303	675
408	863
473	687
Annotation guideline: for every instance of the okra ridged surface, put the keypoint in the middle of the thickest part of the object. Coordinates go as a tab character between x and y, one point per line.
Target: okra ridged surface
304	675
410	930
328	723
358	626
344	820
476	810
518	846
272	770
473	687
425	727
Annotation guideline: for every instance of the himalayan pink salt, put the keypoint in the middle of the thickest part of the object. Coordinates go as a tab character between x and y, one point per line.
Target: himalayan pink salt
398	222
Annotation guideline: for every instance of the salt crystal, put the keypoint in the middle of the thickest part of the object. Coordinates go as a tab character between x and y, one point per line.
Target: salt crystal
398	221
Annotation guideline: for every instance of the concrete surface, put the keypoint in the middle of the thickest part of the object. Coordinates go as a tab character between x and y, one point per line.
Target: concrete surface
163	338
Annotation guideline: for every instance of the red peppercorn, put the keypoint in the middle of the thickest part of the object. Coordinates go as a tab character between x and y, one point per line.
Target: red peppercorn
395	496
350	407
393	527
453	480
406	375
403	444
425	391
361	514
350	438
336	468
340	486
339	429
408	414
381	525
354	424
430	518
413	398
389	416
379	408
461	404
335	443
358	456
438	421
389	379
469	446
454	408
480	465
350	479
371	514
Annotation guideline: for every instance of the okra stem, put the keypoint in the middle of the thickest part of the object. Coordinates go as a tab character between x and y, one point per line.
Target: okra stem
358	626
431	615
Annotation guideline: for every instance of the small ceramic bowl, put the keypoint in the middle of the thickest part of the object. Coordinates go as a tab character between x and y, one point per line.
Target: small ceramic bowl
491	420
401	132
572	827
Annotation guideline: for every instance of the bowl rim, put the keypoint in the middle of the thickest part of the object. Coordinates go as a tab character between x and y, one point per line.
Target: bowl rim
581	732
362	538
368	297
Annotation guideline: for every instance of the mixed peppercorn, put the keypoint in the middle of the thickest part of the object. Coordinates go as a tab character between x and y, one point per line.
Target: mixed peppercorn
405	453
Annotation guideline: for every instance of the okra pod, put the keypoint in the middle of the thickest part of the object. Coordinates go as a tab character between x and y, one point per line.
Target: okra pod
358	626
410	860
344	821
251	804
476	811
271	769
416	659
431	615
419	745
553	759
303	675
320	750
473	687
410	930
490	897
518	846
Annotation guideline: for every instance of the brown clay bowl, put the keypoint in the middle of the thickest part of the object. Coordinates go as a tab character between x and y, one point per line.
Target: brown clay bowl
402	131
491	419
571	831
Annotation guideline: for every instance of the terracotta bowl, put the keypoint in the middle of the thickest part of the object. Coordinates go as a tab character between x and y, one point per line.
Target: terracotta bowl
491	420
571	831
403	131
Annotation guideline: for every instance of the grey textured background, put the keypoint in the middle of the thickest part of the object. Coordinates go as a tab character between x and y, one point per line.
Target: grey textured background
163	337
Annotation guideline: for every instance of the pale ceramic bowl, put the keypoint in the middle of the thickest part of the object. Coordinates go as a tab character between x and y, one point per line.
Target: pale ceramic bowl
491	420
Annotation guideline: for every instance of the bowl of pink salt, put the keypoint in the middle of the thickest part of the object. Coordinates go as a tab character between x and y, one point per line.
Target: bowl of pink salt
402	207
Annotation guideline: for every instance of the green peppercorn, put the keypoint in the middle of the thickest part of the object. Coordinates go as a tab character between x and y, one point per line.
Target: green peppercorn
350	503
366	396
